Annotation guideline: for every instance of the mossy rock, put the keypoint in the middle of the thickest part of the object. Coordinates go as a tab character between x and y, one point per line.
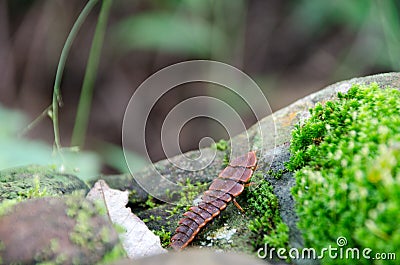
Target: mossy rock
139	196
66	230
347	162
22	181
271	166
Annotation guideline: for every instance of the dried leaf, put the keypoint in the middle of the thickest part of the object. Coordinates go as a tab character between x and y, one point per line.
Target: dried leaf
138	241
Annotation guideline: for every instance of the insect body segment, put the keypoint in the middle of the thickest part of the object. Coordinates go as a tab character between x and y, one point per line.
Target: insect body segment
229	184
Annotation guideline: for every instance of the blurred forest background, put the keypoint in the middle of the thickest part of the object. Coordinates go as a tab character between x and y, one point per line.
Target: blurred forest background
290	48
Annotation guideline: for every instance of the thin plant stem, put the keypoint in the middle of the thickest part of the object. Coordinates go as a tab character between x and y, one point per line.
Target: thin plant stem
31	125
85	100
57	101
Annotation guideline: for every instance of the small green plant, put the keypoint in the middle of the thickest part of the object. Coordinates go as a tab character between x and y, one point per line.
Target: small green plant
116	253
347	163
164	235
225	161
150	202
34	192
6	206
276	174
221	145
186	195
267	224
152	218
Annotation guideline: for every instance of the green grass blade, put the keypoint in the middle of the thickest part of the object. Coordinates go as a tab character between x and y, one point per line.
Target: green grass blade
56	102
82	116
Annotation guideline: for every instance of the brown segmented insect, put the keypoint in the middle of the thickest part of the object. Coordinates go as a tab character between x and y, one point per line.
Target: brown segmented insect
229	184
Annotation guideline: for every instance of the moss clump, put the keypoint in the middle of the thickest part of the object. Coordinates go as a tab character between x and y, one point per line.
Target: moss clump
37	181
7	206
116	253
276	174
184	199
83	212
221	145
165	236
187	195
48	255
34	192
347	157
266	224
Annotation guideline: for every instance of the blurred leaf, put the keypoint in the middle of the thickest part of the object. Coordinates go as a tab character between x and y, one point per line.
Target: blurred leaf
17	151
12	122
166	32
315	15
390	19
113	156
199	7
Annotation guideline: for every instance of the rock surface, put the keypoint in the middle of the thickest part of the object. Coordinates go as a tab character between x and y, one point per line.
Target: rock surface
16	182
65	230
69	229
271	159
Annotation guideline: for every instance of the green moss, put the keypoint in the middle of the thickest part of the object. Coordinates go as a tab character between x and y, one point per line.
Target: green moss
2	247
51	255
266	224
187	194
152	218
221	145
347	163
246	232
81	235
276	174
118	251
100	207
82	211
34	192
165	236
7	205
37	181
225	161
150	203
261	223
114	254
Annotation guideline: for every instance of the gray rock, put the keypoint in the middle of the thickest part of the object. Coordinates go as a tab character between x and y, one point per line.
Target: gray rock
17	182
272	158
67	230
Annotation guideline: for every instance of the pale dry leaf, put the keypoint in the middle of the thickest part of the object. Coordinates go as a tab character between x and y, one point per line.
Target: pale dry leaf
138	241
